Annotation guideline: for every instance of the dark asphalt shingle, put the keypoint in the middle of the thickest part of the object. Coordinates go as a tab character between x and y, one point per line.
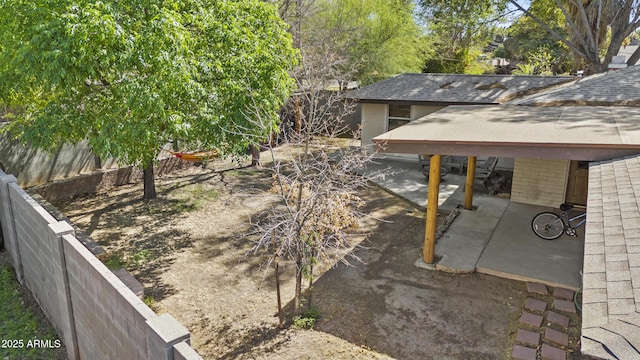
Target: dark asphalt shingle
619	87
455	88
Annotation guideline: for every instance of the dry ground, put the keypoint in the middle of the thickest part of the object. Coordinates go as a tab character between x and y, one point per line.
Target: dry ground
190	250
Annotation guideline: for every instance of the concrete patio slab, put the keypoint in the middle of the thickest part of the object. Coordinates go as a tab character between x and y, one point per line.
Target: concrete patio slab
494	238
463	243
406	180
514	251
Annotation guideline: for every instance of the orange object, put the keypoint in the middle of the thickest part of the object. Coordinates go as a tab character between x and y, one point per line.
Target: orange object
195	156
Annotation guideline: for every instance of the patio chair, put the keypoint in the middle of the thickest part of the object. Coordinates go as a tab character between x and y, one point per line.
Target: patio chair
484	171
488	164
458	163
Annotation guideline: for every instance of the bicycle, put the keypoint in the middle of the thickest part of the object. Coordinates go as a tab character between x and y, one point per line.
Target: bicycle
550	226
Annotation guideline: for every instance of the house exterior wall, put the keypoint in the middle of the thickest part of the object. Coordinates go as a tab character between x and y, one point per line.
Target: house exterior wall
418	111
505	163
374	122
374	119
539	181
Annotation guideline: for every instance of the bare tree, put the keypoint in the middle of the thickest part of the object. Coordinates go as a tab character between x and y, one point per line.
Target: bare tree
317	182
588	22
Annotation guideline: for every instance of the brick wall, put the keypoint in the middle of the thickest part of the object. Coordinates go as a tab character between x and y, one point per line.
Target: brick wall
539	181
94	313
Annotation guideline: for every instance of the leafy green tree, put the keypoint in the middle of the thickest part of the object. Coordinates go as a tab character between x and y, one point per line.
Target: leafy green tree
373	39
456	30
130	76
524	69
595	29
526	37
540	62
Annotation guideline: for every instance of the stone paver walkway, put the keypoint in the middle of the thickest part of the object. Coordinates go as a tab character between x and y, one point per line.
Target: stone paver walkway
548	326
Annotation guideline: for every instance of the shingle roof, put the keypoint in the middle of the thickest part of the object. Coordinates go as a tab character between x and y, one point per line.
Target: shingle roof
620	87
455	88
611	290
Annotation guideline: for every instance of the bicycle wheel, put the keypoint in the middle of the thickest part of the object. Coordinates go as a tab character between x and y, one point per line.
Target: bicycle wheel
547	225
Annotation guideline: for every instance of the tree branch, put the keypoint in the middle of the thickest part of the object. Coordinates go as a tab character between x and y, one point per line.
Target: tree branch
574	27
571	45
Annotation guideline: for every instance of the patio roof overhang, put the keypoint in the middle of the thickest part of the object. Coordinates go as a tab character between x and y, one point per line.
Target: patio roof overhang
590	133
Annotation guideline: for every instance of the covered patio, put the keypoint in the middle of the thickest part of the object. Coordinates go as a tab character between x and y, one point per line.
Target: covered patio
586	133
569	133
495	238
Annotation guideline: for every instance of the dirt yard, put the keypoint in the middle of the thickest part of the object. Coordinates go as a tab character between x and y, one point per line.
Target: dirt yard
190	250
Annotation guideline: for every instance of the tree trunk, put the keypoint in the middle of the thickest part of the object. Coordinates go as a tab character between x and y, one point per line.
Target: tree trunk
280	315
617	37
587	31
254	150
97	162
296	299
298	126
149	182
309	291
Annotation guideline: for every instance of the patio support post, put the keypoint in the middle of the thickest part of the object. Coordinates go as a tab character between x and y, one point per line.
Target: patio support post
428	253
468	186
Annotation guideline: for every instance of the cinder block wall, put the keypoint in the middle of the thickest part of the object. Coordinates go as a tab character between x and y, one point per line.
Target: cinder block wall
103	180
41	258
103	308
35	167
7	223
94	313
539	181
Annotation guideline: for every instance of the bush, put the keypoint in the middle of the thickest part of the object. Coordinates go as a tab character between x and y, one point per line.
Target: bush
307	320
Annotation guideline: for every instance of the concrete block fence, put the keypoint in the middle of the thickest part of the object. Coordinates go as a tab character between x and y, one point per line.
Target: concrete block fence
93	312
34	167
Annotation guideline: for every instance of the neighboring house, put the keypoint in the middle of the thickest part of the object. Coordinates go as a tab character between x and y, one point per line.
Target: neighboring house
628	50
578	142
